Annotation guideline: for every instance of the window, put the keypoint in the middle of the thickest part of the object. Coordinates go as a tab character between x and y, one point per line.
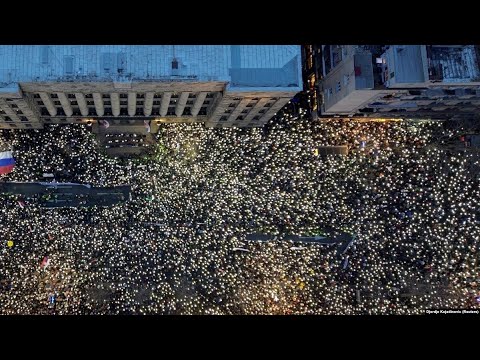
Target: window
346	79
329	93
13	125
244	111
123	102
14	106
209	95
7	119
232	105
267	105
250	105
123	96
240	117
392	74
36	96
23	118
28	125
256	118
228	111
57	102
262	111
237	99
71	96
338	87
223	118
54	96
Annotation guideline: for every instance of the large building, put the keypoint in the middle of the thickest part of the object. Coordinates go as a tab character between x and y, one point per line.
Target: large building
219	85
413	81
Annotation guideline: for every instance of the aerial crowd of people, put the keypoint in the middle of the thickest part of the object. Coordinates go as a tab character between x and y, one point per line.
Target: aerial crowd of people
179	246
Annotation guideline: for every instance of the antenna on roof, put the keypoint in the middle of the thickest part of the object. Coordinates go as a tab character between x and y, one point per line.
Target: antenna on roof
174	61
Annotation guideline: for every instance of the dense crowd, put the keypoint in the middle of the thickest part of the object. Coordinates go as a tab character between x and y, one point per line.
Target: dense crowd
179	245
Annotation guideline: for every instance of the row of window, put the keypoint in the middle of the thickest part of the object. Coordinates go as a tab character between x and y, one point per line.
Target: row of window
240	118
124	111
8	119
12	125
122	102
122	96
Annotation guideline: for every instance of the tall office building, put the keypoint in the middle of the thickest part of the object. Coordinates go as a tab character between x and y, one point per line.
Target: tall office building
219	85
409	81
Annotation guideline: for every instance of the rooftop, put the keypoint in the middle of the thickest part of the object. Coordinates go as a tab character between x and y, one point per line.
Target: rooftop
243	66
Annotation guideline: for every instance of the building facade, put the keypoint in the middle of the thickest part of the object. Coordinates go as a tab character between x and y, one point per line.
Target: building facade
408	81
312	75
219	85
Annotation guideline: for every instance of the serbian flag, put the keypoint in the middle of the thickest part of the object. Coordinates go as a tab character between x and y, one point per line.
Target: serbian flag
7	162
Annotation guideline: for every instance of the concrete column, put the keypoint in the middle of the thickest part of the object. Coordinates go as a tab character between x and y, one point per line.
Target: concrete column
82	104
165	102
8	111
148	104
254	110
115	101
238	110
274	109
98	101
198	102
182	101
67	108
52	110
132	103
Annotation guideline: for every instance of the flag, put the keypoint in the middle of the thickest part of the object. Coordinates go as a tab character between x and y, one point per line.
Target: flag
147	125
7	162
21	203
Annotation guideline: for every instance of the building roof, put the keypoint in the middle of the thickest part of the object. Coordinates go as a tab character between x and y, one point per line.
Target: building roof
251	66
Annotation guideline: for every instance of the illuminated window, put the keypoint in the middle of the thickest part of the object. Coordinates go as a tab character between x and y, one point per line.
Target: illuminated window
309	61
